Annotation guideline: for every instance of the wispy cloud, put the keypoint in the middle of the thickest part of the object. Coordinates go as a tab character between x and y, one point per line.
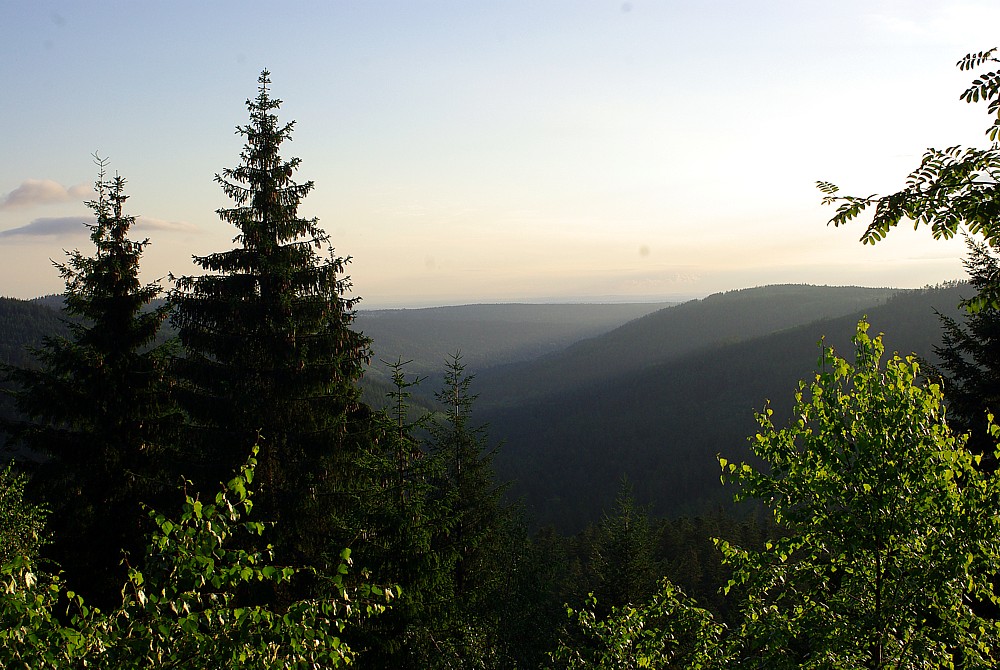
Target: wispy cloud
33	192
149	223
71	226
60	226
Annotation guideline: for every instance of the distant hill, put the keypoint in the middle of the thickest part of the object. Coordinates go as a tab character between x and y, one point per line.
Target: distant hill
582	394
23	324
676	331
661	422
486	335
52	301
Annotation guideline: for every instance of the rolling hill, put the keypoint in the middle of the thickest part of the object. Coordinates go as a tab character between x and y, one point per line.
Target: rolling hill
661	423
487	335
674	332
584	394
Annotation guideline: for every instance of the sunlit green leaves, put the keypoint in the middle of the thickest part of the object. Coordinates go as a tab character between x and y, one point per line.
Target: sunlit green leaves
667	631
187	608
21	523
889	526
888	534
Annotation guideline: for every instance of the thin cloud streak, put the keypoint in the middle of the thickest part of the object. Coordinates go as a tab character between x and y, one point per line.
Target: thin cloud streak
59	226
72	226
33	192
149	223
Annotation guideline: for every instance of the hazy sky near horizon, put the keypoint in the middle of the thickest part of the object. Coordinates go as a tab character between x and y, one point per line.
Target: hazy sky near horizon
497	151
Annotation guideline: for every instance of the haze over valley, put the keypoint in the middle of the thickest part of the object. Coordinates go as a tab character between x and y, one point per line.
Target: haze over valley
582	395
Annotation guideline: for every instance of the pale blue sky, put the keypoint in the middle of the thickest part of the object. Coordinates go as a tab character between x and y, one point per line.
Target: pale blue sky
482	151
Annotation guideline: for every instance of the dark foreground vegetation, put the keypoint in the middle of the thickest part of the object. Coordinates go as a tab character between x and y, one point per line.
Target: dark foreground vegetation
227	497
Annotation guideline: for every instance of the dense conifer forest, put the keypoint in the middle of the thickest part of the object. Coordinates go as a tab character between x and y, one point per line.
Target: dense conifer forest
242	469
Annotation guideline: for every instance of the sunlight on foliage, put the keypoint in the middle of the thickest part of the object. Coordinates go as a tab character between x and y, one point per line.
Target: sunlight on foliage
666	631
891	534
887	547
190	607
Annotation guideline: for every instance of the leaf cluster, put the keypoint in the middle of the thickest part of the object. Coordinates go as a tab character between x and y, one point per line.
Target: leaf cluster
667	631
22	524
952	189
189	607
891	526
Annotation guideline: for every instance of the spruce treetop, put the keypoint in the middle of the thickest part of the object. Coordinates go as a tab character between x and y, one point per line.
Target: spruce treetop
269	345
96	403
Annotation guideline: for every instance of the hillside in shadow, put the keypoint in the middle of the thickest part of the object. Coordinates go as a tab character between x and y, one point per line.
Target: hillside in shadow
662	424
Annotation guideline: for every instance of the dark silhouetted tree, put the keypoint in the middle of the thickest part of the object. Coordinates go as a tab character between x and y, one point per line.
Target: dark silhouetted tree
624	553
970	355
474	539
96	404
270	350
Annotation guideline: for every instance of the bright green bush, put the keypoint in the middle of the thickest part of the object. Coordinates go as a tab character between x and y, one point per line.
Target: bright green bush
188	607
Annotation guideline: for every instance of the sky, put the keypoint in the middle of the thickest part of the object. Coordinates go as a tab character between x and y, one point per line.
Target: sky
488	151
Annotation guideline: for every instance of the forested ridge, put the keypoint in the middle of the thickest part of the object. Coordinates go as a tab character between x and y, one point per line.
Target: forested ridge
23	324
670	334
204	477
649	386
662	421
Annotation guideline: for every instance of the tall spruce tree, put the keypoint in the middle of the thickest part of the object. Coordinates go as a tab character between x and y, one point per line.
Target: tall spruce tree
623	558
467	482
270	351
474	539
401	516
96	405
970	354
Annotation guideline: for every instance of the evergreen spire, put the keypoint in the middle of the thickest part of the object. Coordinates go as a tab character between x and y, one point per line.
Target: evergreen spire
96	405
970	353
270	350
